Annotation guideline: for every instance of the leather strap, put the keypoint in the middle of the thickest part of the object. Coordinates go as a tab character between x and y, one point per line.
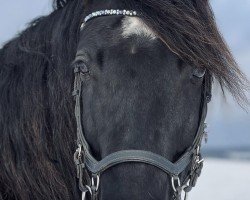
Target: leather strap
138	156
79	75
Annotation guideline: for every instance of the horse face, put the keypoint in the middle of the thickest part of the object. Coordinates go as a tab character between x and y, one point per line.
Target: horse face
137	95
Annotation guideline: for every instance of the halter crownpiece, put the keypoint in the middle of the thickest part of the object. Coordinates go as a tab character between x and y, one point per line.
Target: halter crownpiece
110	12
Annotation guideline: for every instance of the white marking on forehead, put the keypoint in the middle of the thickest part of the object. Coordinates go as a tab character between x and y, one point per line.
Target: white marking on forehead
135	26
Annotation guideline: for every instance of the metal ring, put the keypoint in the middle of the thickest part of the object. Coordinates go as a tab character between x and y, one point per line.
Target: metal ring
89	189
97	181
175	178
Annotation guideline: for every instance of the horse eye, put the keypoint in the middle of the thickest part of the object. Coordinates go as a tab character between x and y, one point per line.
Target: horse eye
199	73
81	66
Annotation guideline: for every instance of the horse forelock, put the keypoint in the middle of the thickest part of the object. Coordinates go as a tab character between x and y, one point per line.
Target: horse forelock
188	28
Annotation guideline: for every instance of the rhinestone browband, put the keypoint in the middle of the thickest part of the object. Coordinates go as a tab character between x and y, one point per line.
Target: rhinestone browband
110	12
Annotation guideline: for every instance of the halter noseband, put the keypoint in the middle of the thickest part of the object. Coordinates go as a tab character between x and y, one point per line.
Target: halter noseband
86	164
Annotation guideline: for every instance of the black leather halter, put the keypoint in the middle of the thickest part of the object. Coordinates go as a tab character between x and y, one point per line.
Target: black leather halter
89	169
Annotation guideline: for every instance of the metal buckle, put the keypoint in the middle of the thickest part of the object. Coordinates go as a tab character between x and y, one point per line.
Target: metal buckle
78	155
78	160
198	159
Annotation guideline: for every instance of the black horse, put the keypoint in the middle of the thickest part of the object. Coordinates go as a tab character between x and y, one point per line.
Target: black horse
143	89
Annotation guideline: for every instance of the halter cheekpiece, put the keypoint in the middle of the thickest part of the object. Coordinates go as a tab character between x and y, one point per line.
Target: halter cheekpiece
90	169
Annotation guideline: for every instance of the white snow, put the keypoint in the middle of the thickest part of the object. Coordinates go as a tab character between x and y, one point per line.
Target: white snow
223	180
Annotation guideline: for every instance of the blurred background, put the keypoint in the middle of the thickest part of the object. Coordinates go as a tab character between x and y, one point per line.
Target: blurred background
226	174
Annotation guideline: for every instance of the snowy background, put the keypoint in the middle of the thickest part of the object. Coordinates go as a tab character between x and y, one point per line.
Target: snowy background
226	175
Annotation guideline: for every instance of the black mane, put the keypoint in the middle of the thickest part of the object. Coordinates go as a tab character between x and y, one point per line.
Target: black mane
37	140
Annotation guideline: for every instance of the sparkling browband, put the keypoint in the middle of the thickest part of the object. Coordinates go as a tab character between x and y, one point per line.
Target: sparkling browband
110	12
